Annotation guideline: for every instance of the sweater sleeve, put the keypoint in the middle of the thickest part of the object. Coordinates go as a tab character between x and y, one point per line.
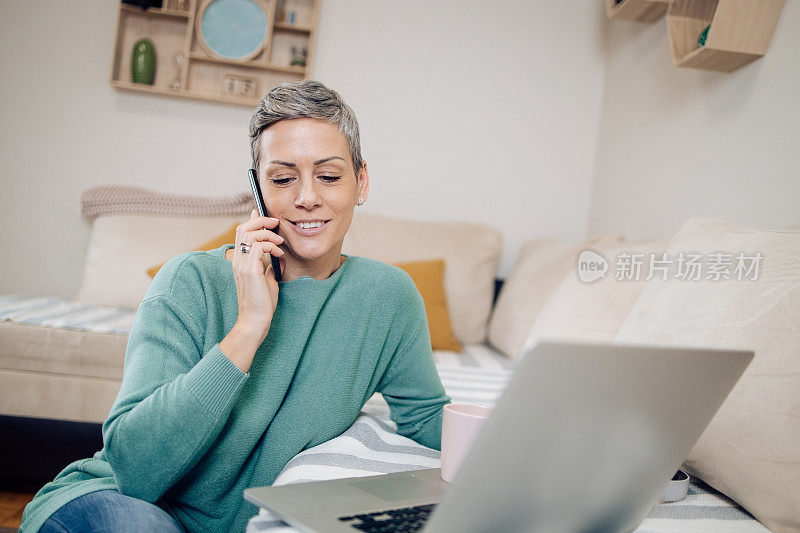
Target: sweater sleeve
411	384
173	402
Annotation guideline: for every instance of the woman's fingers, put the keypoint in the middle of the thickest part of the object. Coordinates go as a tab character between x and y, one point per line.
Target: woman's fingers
262	249
259	257
261	235
241	228
257	223
257	230
256	257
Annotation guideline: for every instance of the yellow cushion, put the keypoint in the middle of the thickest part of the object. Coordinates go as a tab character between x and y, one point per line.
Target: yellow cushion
428	276
227	237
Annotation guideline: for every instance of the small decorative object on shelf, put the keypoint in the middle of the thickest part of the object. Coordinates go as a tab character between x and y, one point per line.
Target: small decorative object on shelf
239	86
179	61
183	5
233	29
701	40
143	62
287	17
299	56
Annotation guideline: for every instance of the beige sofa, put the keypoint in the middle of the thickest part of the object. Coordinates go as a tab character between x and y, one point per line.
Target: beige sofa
59	373
750	451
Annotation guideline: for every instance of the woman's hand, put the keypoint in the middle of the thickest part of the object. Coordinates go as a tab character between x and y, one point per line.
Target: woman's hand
256	288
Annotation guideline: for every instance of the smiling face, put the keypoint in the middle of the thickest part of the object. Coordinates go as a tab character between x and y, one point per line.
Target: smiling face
308	181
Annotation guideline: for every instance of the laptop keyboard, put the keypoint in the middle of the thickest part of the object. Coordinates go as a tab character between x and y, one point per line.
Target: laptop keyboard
406	519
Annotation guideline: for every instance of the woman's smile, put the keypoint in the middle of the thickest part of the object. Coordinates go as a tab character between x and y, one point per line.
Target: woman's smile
309	228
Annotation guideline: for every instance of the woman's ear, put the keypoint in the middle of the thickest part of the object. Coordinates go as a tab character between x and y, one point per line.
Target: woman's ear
363	184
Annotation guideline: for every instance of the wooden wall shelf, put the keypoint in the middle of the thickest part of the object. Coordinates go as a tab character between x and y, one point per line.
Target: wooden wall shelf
249	64
647	11
184	66
154	12
292	27
740	33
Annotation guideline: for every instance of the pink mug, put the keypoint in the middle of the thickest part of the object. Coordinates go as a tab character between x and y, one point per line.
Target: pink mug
461	424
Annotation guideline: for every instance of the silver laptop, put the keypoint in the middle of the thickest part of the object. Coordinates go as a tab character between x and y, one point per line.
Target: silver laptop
584	438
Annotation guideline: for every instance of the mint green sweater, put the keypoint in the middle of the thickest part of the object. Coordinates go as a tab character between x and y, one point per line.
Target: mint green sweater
190	431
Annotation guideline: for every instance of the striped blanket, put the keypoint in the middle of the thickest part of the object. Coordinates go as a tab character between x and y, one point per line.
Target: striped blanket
371	445
109	199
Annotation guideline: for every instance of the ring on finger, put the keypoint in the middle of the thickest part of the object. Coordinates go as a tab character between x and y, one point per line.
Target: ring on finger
244	247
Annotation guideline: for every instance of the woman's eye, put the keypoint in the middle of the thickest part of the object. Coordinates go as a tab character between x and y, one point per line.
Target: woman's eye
330	179
281	181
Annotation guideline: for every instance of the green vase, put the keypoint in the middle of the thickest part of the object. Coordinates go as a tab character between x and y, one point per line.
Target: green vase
143	62
701	40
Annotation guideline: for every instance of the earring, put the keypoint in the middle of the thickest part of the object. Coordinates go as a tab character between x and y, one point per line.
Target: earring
361	201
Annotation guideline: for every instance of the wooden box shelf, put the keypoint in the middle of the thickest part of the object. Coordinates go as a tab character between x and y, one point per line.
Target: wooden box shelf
187	67
740	32
647	11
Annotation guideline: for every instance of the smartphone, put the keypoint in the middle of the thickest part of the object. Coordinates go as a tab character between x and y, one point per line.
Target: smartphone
262	211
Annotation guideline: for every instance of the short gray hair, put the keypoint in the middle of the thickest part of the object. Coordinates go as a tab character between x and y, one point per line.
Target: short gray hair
305	99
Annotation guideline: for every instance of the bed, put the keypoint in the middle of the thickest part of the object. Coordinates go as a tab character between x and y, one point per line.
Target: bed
371	445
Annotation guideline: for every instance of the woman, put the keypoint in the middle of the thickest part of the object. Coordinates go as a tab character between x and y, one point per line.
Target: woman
228	373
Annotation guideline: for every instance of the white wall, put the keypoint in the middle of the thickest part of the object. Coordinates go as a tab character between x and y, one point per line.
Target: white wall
64	129
675	143
480	111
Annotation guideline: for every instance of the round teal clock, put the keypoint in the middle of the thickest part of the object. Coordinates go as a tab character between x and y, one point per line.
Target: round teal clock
233	29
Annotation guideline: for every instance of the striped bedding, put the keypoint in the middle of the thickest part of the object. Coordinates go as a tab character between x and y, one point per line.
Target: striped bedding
371	445
68	314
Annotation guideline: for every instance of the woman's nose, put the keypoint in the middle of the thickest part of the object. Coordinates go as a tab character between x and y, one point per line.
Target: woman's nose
307	195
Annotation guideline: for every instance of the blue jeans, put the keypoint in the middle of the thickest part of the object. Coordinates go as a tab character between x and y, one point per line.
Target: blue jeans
110	510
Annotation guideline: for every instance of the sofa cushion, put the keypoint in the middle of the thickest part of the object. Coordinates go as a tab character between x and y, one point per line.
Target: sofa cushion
226	237
428	276
57	396
750	449
471	253
27	348
123	246
540	266
595	311
49	372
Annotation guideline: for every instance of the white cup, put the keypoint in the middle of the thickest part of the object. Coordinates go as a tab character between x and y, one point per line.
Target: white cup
461	424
